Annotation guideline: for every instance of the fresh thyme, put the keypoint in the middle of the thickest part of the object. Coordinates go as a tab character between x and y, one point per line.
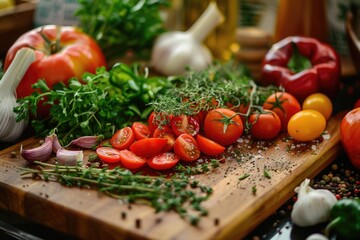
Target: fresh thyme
218	86
244	176
267	174
163	194
197	169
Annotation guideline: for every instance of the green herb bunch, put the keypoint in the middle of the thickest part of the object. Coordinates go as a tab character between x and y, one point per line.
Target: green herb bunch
106	102
221	85
122	26
163	194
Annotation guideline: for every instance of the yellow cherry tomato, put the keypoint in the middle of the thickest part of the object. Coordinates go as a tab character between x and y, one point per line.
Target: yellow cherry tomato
306	125
319	102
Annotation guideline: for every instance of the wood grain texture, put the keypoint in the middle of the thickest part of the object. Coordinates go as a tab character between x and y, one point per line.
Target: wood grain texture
233	209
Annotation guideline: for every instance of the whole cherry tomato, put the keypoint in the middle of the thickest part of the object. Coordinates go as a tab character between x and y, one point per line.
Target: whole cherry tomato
61	53
319	102
284	104
265	125
306	125
223	126
350	135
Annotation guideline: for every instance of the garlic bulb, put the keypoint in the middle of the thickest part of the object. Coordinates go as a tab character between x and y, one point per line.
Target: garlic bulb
10	130
312	206
176	50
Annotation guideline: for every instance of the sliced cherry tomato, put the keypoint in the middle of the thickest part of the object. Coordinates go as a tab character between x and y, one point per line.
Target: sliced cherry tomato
319	102
223	126
209	147
157	119
163	161
185	124
166	133
265	126
141	130
108	154
284	104
306	125
148	147
186	148
130	160
123	138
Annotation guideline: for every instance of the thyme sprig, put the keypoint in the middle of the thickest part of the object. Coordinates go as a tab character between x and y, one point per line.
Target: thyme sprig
163	194
197	169
221	85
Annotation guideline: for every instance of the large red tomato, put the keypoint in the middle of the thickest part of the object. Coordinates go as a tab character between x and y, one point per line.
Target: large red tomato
350	135
61	53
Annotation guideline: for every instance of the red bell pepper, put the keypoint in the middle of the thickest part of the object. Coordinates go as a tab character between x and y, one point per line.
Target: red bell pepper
302	66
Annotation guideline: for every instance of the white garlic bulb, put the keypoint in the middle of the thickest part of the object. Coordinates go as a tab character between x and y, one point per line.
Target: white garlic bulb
174	51
312	206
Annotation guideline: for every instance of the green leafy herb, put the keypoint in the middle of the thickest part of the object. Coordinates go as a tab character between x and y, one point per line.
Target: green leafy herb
244	176
122	26
267	174
163	194
108	101
219	85
197	169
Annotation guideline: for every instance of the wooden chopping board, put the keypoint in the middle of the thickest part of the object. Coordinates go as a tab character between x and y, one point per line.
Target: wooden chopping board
234	210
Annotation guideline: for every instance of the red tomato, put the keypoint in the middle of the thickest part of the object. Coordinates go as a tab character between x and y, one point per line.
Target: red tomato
350	135
265	126
186	148
156	119
130	160
166	133
284	105
357	104
69	54
108	154
223	126
123	138
140	130
185	124
148	147
209	147
163	161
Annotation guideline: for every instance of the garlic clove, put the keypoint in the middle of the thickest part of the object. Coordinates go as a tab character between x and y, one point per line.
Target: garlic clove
41	153
56	144
69	157
87	142
317	236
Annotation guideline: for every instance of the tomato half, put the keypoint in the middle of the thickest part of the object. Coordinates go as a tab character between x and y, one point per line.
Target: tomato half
123	138
306	125
108	154
148	147
223	126
185	124
166	133
163	161
265	126
69	53
319	102
157	119
209	147
284	104
141	130
186	148
130	160
350	135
